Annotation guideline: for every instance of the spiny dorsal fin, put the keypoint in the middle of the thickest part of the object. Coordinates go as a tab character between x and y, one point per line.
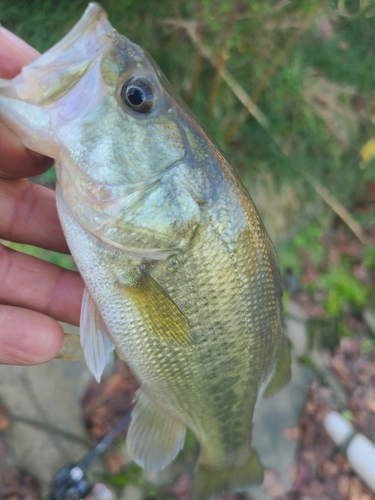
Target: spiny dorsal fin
282	373
160	313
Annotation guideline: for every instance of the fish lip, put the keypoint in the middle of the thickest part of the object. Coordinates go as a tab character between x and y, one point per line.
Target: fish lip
94	21
78	50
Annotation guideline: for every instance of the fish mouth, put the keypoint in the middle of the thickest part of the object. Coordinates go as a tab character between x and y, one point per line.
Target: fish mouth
87	35
56	71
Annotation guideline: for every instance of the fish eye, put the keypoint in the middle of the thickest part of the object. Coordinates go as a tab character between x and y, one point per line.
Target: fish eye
138	95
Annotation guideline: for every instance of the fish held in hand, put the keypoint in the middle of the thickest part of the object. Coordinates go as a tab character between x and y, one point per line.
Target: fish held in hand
181	276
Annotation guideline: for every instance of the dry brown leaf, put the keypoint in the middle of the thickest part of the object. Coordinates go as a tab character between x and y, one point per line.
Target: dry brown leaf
292	433
343	485
104	404
329	469
343	45
115	461
271	477
325	26
272	484
16	484
5	420
293	472
341	371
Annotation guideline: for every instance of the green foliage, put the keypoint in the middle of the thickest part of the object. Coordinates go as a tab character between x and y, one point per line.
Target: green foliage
369	257
309	239
368	345
191	442
59	259
118	480
342	289
132	474
306	242
332	284
348	415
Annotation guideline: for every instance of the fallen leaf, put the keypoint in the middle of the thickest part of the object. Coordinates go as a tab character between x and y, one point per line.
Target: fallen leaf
272	483
115	461
340	370
17	484
292	433
329	469
104	404
4	419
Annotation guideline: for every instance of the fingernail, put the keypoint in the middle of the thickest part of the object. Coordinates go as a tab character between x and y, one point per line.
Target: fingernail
24	47
4	175
36	155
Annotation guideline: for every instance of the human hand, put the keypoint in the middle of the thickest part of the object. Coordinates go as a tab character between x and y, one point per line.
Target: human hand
33	294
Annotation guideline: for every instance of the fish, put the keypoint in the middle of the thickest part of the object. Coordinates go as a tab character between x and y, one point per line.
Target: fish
181	277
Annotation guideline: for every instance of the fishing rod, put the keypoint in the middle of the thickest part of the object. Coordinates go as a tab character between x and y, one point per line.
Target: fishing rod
71	483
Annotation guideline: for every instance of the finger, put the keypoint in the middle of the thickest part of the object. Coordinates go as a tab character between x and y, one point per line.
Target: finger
17	161
28	337
28	214
15	53
35	284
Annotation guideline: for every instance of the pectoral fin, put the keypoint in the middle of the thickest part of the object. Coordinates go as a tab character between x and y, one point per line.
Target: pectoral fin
282	373
154	437
95	339
160	313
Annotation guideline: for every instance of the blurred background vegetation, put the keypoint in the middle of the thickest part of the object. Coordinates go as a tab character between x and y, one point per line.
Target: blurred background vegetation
287	88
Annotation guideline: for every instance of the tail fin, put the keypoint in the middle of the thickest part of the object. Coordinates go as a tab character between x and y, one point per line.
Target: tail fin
209	484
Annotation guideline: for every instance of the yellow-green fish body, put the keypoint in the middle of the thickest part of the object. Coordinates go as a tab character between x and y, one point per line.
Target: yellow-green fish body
182	278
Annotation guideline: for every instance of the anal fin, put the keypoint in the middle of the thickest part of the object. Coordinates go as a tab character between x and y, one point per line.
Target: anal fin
154	437
282	372
95	340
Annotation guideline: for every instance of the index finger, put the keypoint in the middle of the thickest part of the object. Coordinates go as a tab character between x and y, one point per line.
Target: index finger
16	161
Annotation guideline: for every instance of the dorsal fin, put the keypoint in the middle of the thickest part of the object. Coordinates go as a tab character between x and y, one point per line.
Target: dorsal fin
281	375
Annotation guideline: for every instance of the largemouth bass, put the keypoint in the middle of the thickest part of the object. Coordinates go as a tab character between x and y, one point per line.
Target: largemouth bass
181	276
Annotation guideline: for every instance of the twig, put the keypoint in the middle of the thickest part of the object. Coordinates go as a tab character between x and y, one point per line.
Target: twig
49	428
197	60
223	54
327	197
278	59
324	372
275	10
242	96
340	210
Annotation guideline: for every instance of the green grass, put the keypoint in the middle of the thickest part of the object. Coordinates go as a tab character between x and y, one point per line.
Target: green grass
59	259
